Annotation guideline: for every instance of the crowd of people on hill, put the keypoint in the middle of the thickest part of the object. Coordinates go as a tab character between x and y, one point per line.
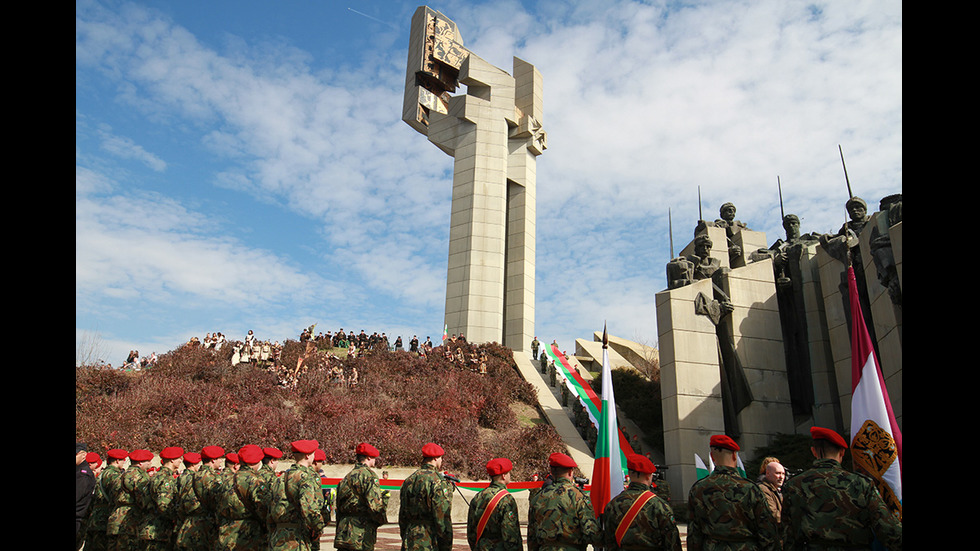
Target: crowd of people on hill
325	352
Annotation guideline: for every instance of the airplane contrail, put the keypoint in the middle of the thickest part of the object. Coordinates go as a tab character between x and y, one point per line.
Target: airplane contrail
392	25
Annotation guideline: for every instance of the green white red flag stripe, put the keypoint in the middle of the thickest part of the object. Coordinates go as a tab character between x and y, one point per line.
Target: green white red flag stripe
608	469
583	390
876	440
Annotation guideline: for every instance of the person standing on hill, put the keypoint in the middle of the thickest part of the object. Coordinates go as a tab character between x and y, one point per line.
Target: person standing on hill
425	513
361	503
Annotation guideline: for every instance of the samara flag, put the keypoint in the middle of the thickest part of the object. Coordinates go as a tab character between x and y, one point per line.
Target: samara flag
876	440
607	471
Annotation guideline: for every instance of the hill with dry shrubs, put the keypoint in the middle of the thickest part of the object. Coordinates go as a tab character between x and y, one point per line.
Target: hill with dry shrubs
194	397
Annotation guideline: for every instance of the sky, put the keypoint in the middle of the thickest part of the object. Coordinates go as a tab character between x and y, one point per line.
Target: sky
244	166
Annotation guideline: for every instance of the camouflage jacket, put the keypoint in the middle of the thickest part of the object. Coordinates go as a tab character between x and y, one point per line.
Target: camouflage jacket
197	505
561	518
159	506
242	512
295	506
827	507
361	508
728	511
127	515
653	527
425	511
102	502
502	531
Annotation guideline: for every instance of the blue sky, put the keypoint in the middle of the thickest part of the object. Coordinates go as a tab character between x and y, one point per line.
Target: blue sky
243	165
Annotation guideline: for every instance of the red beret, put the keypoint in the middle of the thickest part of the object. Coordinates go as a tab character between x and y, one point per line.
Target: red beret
192	458
140	455
722	441
92	457
319	455
272	452
212	452
305	446
117	453
819	433
498	466
367	450
233	457
432	450
173	452
251	454
561	460
640	464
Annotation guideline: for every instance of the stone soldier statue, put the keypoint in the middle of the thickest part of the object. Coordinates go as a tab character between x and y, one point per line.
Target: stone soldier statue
827	507
295	516
637	518
561	517
361	503
685	270
425	512
159	503
492	522
728	511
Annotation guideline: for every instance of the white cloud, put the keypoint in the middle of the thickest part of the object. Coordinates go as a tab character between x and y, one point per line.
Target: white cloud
644	103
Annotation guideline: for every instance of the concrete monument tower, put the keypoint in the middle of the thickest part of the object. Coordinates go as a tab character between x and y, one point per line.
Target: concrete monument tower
494	134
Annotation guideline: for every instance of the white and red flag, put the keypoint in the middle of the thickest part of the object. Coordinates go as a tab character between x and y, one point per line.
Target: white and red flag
876	440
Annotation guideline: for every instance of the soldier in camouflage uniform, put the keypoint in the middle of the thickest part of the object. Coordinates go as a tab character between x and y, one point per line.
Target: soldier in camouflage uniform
199	531
270	459
319	459
828	508
241	507
728	511
102	501
561	517
650	525
159	504
124	521
499	528
231	467
296	503
192	462
425	508
361	503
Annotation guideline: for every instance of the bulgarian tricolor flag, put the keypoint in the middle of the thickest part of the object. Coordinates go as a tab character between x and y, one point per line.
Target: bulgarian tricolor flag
876	440
607	471
445	333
